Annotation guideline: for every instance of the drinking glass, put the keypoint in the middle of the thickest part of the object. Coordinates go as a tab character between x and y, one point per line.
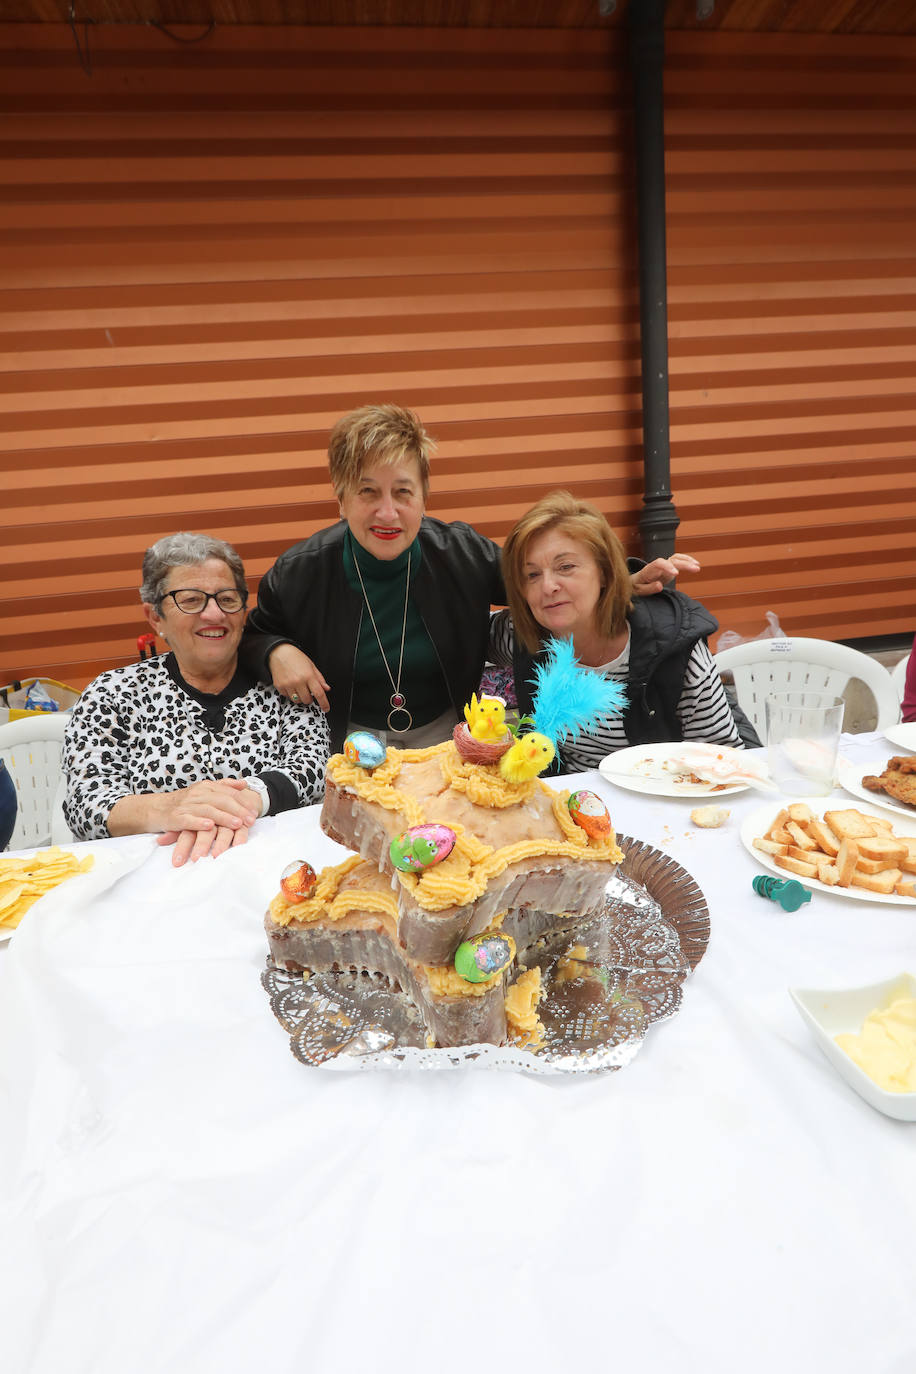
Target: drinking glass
803	735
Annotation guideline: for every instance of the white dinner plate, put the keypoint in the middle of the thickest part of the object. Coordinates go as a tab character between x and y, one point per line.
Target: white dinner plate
641	768
829	1012
904	736
112	861
850	777
758	823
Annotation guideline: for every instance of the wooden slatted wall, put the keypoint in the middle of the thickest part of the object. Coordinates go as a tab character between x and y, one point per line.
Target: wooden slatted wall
210	253
791	185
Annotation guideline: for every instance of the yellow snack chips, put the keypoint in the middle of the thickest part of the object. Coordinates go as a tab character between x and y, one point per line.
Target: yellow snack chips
23	881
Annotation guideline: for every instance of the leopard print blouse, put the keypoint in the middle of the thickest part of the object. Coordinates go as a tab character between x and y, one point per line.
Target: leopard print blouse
142	729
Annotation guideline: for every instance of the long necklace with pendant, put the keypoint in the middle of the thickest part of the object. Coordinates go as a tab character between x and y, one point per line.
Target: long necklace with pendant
397	699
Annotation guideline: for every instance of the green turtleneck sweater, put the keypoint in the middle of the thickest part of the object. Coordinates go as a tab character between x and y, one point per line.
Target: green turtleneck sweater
421	679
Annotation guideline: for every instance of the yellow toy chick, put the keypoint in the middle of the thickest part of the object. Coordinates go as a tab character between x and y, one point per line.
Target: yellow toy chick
486	718
529	755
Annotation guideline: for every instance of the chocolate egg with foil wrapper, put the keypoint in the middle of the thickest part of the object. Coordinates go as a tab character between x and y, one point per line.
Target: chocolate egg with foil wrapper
297	881
589	811
363	749
478	959
421	847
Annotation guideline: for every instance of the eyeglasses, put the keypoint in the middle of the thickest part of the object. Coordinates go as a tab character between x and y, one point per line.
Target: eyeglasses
192	601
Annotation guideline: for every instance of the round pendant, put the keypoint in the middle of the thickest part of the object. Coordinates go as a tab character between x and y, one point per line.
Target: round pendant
400	729
398	701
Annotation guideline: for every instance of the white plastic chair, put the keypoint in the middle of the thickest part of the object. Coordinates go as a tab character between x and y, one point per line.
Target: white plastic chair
815	665
31	749
898	676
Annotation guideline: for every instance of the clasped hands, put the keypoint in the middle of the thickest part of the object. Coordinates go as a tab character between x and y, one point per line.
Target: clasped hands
207	818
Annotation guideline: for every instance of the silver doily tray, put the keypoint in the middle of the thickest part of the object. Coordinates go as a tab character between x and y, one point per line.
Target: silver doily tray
596	1007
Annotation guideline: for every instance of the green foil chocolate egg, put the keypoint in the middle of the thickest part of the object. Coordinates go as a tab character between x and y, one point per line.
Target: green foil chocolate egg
478	959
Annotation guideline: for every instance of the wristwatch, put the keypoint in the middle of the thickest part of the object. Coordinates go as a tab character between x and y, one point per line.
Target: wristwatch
256	785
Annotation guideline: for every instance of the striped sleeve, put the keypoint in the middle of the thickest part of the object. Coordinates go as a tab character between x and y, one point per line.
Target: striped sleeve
703	708
502	639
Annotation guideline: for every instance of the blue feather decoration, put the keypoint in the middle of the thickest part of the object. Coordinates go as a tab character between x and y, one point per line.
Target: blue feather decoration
568	698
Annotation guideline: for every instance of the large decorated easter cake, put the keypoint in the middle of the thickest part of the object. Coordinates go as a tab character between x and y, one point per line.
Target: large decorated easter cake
460	868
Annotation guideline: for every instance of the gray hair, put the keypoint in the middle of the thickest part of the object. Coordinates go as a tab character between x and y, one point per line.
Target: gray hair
185	550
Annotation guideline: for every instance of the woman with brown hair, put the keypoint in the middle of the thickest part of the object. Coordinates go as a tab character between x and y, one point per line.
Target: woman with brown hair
566	577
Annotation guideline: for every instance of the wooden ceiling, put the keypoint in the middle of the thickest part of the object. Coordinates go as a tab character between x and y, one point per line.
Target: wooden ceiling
760	16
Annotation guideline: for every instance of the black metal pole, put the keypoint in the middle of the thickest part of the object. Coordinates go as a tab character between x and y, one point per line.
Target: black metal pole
659	519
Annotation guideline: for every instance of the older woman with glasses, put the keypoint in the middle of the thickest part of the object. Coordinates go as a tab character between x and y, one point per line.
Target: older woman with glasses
188	744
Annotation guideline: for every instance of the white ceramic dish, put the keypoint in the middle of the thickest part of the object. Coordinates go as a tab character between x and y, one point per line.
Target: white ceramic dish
641	768
758	823
829	1012
112	860
849	776
904	736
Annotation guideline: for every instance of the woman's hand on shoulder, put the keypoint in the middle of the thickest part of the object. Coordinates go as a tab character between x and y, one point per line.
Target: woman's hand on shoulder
657	574
295	676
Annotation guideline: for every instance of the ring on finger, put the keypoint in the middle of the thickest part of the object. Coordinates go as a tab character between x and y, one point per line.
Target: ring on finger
294	696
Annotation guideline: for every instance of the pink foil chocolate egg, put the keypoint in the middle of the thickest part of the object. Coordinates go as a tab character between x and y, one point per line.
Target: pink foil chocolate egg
297	881
589	811
421	846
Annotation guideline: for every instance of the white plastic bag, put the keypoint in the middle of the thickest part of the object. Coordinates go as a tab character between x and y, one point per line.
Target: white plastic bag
37	699
728	638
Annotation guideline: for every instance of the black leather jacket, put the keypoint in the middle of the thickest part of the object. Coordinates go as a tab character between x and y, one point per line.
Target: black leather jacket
305	599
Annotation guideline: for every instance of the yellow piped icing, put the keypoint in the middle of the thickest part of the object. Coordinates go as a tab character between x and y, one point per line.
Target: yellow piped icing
521	1009
482	783
325	903
445	982
355	900
463	877
574	833
378	785
475	849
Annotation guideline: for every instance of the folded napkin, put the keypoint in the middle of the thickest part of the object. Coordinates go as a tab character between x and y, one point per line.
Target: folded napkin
717	763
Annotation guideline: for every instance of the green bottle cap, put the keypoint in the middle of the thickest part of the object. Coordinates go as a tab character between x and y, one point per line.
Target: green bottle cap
788	892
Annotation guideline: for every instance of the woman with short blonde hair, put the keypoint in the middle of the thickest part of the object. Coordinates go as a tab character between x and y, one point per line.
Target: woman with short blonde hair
384	434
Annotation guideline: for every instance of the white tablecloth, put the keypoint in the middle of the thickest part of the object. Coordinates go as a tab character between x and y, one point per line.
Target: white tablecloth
181	1194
